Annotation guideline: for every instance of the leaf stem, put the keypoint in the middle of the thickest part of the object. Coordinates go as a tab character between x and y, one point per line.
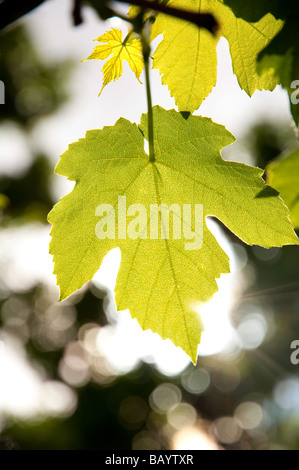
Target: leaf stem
150	121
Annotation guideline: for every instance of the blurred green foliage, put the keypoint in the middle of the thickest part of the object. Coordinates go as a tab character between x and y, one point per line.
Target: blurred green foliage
28	196
32	89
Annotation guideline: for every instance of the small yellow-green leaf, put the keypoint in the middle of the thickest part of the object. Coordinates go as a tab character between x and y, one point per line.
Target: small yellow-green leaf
130	50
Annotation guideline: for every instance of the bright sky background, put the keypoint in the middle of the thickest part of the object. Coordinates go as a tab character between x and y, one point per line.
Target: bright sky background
26	253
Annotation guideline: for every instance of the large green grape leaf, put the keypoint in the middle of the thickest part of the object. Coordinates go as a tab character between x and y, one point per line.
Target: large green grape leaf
283	175
159	279
186	57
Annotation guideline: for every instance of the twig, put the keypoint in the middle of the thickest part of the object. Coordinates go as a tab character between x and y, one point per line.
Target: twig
202	20
12	10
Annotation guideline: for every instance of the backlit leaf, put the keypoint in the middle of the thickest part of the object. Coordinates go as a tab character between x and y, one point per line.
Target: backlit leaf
283	175
130	50
281	56
186	57
160	279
